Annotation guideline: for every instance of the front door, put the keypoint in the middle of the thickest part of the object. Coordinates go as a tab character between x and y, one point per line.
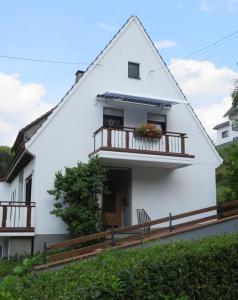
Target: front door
112	204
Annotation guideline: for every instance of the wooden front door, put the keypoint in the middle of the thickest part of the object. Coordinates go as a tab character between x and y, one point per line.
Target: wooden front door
112	204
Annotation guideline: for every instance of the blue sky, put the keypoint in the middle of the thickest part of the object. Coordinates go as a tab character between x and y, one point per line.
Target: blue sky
76	31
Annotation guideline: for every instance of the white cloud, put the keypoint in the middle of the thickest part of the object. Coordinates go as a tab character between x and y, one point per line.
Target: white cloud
232	5
165	44
207	87
106	26
19	104
205	6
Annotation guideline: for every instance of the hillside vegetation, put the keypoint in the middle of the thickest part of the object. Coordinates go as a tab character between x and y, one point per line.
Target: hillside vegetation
227	173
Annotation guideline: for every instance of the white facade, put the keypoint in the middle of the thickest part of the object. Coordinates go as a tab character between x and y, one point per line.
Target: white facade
226	133
159	184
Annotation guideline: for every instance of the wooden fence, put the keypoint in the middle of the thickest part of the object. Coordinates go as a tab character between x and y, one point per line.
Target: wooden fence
108	239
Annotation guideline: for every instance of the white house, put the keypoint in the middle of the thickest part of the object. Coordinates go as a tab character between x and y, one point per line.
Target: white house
228	131
128	84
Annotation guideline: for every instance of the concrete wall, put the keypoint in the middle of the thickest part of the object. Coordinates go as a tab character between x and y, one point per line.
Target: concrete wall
20	246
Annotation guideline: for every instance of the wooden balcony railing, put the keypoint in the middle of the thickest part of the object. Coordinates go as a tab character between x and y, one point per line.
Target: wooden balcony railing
125	140
16	216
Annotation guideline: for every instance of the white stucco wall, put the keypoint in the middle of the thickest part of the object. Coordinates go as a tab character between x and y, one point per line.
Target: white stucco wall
67	136
4	191
231	135
175	191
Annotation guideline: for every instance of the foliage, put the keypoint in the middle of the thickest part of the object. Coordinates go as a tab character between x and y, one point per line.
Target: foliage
205	269
234	96
148	130
227	173
76	194
6	157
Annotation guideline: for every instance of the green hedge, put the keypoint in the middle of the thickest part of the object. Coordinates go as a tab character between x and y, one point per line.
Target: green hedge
205	269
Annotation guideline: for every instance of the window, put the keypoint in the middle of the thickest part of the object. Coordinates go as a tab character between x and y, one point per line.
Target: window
158	120
113	118
225	134
133	70
235	139
28	190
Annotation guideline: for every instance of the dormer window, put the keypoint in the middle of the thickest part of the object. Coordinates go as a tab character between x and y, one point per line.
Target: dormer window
133	70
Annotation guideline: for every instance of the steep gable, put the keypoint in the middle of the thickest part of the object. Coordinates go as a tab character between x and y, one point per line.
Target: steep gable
132	43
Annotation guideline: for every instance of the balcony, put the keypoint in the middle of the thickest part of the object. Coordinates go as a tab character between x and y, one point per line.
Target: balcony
16	218
123	146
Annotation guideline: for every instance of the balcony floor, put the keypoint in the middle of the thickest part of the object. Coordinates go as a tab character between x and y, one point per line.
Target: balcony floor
123	157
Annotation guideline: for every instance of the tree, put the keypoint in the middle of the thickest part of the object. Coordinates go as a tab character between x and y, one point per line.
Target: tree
234	95
76	194
6	157
227	174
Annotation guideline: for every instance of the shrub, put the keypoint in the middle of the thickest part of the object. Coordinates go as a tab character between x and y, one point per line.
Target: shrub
76	194
206	269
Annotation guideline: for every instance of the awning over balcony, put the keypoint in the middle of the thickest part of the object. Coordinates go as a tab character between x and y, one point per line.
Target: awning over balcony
133	99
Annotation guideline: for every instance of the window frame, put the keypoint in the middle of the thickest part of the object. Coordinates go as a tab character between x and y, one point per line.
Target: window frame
225	134
156	122
134	64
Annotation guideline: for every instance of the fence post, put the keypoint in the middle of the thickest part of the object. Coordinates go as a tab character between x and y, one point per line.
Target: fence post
44	253
170	222
113	242
220	211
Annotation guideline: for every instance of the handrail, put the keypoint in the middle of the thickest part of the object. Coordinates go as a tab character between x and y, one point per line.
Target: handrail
220	213
125	128
17	202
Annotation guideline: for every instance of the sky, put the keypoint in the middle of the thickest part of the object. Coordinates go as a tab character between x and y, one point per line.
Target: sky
75	32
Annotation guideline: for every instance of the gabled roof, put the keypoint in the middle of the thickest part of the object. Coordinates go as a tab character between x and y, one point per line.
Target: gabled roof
20	137
96	62
221	125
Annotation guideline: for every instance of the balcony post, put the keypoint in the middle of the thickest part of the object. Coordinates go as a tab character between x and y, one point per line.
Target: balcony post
4	215
127	139
166	143
109	138
28	217
182	136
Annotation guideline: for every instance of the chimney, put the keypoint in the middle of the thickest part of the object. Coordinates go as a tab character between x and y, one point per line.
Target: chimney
78	75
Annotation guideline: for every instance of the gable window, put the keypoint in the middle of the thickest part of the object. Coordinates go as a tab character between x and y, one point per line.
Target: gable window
28	190
158	120
133	70
225	134
113	118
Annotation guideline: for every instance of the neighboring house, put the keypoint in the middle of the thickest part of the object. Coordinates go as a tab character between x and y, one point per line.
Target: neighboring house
127	85
228	131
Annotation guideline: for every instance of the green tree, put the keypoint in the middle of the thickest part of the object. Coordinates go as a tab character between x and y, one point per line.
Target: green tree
76	194
227	174
234	95
6	157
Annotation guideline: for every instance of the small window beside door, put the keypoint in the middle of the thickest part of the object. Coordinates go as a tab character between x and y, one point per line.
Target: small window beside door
158	120
28	190
113	118
133	70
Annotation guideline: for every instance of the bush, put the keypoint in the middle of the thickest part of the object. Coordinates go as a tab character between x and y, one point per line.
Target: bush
206	269
76	194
